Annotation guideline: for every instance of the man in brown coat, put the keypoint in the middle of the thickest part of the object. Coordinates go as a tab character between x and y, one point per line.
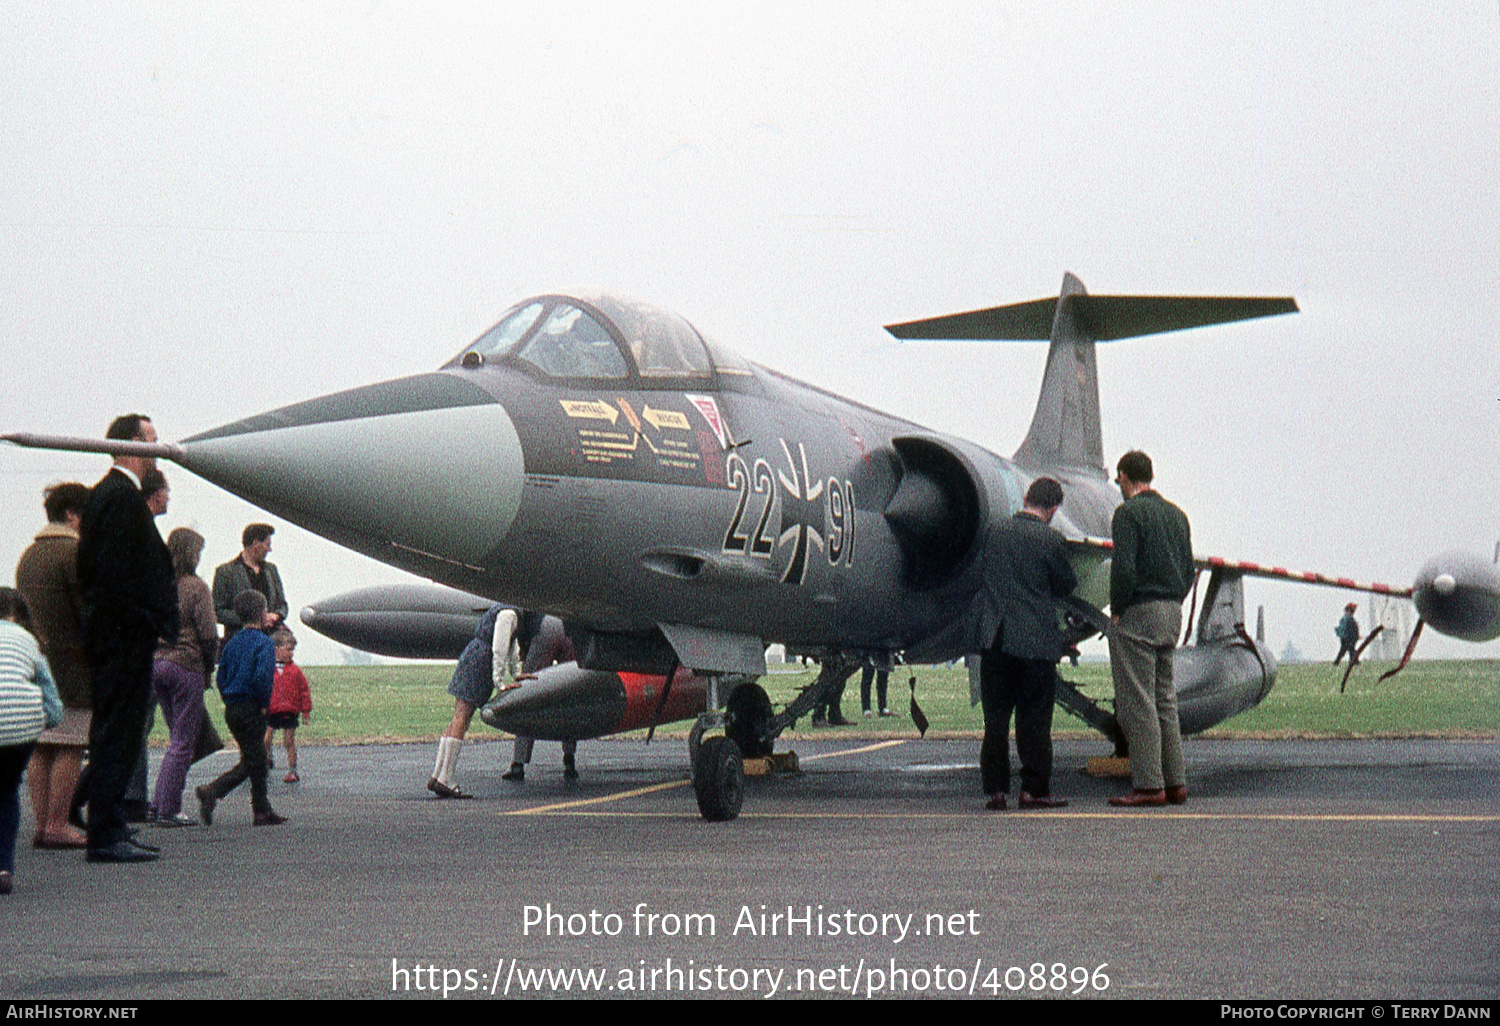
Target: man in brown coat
47	578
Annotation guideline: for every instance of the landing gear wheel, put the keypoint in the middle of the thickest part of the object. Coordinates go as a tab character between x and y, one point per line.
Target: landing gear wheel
719	780
750	715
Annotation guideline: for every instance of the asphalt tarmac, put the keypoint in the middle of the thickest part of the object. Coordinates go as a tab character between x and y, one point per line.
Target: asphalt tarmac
1298	869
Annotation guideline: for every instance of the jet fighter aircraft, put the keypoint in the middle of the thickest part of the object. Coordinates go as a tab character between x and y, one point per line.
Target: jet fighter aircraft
679	506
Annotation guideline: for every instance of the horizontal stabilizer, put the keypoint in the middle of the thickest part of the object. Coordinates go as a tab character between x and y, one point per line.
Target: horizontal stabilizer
1102	318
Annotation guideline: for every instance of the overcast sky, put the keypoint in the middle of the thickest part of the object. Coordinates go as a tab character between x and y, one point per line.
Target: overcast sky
211	210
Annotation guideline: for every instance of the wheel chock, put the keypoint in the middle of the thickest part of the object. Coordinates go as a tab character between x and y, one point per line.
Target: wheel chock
777	762
1108	766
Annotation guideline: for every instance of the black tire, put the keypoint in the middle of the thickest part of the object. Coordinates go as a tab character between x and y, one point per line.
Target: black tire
750	714
719	780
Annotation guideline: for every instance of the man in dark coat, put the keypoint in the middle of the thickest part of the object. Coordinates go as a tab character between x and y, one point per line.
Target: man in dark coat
249	571
129	601
1026	570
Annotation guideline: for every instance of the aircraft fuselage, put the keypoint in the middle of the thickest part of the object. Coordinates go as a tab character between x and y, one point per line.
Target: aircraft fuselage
736	499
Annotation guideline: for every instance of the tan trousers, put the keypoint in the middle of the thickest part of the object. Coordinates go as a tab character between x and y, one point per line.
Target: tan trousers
1140	657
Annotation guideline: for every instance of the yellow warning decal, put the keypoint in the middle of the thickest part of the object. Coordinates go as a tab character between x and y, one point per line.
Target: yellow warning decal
591	409
665	419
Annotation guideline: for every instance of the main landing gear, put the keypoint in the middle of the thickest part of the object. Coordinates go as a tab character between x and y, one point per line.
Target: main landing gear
750	727
719	779
718	770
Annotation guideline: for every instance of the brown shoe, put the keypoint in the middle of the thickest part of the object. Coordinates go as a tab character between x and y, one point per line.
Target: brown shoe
1138	798
996	803
1177	795
1045	801
443	790
57	842
269	819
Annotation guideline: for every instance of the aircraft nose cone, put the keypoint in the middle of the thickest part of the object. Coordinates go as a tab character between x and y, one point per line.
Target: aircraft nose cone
367	470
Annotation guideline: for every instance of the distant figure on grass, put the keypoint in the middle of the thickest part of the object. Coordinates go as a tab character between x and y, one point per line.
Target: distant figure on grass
881	679
247	673
1348	632
290	697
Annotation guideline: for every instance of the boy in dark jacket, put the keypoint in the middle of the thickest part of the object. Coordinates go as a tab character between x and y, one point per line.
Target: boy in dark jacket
247	670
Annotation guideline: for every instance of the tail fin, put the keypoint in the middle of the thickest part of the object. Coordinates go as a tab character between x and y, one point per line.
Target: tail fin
1065	428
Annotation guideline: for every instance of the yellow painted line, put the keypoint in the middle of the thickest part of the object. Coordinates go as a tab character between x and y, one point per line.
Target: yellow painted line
581	807
1039	816
1287	817
582	802
853	751
595	801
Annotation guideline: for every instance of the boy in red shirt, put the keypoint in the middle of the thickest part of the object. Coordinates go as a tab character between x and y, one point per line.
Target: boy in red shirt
289	696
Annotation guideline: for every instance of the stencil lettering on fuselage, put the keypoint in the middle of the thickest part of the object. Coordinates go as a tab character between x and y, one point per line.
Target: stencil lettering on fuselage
614	433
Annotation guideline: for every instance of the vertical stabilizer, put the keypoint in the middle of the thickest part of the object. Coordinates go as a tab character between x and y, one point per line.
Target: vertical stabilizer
1065	428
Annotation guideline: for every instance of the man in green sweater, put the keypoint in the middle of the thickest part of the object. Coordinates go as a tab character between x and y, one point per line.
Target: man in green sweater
1150	574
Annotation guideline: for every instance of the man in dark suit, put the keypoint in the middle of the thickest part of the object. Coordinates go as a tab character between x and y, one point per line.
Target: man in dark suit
129	601
1026	569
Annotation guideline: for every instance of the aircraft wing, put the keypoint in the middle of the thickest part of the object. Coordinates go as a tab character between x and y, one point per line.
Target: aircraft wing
1261	570
1455	593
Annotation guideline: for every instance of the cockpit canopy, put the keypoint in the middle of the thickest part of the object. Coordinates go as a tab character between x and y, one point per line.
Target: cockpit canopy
601	338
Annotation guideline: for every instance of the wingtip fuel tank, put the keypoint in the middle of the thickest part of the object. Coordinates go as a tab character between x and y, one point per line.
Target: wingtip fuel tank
1459	595
403	621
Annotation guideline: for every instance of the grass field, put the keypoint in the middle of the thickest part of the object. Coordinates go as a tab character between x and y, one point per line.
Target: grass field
366	704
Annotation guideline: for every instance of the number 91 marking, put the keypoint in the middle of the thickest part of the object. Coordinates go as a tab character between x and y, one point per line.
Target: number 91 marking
840	522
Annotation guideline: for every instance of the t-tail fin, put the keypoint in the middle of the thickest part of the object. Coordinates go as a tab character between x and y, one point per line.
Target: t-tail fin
1065	428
